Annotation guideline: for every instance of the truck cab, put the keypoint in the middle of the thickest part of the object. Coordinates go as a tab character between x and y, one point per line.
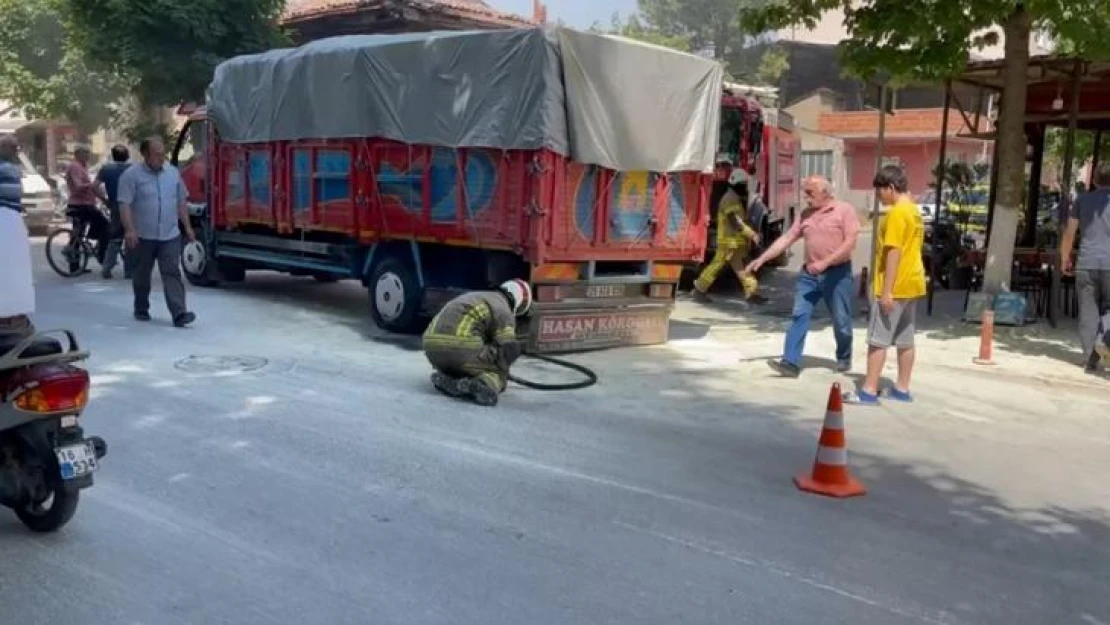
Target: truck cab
758	138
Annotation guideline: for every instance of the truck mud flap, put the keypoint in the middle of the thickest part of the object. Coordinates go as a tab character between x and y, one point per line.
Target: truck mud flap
564	331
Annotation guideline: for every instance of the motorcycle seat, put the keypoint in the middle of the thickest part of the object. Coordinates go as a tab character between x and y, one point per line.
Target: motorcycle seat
41	346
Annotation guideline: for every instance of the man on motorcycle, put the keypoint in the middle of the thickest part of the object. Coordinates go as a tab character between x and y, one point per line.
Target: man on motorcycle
17	291
472	342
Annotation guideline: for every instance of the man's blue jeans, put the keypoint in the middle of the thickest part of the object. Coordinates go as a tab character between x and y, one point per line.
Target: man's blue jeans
835	287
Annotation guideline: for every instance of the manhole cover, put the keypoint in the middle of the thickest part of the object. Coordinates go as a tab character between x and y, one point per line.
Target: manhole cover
220	364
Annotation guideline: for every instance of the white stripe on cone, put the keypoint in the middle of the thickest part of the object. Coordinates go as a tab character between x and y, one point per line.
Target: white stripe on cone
834	421
832	456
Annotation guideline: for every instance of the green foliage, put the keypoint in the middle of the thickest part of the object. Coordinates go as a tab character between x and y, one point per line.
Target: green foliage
1054	149
703	23
772	65
634	28
931	39
44	75
171	46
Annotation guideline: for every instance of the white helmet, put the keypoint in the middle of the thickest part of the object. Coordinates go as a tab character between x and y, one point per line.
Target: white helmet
193	257
738	176
520	294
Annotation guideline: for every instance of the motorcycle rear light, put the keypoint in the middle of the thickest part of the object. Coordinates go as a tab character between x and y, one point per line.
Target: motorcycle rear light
66	391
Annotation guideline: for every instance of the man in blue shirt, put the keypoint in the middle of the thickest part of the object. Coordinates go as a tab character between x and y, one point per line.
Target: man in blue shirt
109	176
153	211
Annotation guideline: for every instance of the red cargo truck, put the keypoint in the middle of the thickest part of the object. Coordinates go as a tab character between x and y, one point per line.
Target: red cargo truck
417	222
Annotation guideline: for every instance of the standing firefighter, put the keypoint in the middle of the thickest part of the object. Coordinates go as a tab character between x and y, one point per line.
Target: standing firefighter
472	342
734	240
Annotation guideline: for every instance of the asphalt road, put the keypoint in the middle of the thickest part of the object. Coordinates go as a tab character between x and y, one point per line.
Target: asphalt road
298	469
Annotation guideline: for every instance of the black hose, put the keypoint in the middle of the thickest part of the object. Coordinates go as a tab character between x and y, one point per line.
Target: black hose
591	377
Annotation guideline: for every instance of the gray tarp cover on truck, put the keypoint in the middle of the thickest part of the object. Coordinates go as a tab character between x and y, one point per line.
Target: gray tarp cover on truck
598	99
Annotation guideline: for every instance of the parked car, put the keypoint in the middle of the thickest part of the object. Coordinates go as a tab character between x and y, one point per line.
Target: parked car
40	201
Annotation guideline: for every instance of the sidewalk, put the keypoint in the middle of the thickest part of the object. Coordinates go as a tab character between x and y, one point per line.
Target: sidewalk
1036	353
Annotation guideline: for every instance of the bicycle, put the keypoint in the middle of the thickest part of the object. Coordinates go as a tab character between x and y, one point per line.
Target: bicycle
71	257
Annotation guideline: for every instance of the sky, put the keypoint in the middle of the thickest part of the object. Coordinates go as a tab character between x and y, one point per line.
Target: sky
576	13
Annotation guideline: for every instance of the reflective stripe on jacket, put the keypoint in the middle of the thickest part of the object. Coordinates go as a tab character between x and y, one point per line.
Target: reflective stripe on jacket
472	320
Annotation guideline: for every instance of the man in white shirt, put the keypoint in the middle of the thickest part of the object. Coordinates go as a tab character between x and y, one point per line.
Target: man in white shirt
17	291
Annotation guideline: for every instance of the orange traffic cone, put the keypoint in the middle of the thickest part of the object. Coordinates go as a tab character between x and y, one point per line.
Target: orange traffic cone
830	476
986	340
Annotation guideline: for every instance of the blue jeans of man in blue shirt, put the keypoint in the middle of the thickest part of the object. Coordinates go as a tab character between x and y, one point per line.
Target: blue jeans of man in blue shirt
835	287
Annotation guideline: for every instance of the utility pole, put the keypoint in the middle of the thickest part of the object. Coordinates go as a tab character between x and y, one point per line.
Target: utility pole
884	104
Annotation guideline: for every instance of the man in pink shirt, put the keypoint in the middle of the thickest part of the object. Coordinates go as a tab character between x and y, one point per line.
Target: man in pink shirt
82	208
830	229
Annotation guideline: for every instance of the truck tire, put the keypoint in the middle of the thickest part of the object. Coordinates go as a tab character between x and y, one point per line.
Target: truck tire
395	297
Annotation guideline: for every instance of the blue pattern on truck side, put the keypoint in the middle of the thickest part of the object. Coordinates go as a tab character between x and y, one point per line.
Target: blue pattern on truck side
407	186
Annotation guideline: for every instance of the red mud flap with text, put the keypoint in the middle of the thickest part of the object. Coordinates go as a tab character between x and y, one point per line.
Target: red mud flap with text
581	330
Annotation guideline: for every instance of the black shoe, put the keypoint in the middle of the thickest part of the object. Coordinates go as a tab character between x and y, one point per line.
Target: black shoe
142	315
184	319
701	298
480	393
784	368
844	366
447	385
757	299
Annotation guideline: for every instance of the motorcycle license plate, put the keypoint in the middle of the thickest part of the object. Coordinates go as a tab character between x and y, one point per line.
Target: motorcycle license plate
76	460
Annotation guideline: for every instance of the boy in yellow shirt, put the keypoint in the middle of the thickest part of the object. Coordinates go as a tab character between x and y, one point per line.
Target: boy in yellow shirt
899	284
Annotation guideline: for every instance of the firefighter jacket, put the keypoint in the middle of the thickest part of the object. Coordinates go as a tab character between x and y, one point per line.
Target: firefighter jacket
732	229
474	330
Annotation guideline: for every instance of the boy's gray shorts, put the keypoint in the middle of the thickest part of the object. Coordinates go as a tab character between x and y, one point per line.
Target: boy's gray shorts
897	328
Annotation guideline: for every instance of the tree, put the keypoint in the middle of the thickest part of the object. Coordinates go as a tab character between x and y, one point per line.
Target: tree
634	28
772	65
44	76
171	47
1055	144
705	24
931	40
678	34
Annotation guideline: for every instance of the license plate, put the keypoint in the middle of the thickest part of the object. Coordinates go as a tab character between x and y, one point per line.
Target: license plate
76	460
594	291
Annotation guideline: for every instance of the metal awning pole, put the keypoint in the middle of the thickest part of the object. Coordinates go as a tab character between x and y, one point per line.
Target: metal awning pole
942	169
1065	199
883	95
1096	157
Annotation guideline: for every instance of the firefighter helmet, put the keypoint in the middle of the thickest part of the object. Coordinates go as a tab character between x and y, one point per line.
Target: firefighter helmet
520	294
738	176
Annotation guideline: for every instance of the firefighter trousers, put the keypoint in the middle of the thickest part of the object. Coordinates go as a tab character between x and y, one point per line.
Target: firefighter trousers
479	363
734	257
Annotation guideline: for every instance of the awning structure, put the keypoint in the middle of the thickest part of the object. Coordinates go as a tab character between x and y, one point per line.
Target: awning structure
1063	91
10	119
1053	80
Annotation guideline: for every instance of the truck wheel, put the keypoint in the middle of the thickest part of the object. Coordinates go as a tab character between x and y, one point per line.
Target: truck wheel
200	267
395	297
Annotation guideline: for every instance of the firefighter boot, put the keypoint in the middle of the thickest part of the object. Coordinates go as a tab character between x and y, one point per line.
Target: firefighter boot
447	385
478	391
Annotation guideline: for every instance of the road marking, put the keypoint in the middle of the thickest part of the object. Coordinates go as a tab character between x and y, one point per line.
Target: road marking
781	572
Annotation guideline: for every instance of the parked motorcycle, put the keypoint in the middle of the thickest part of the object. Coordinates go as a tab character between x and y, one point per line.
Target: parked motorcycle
45	457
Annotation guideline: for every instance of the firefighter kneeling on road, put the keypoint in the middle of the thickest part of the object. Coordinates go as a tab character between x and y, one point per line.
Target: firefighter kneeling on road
734	240
472	342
